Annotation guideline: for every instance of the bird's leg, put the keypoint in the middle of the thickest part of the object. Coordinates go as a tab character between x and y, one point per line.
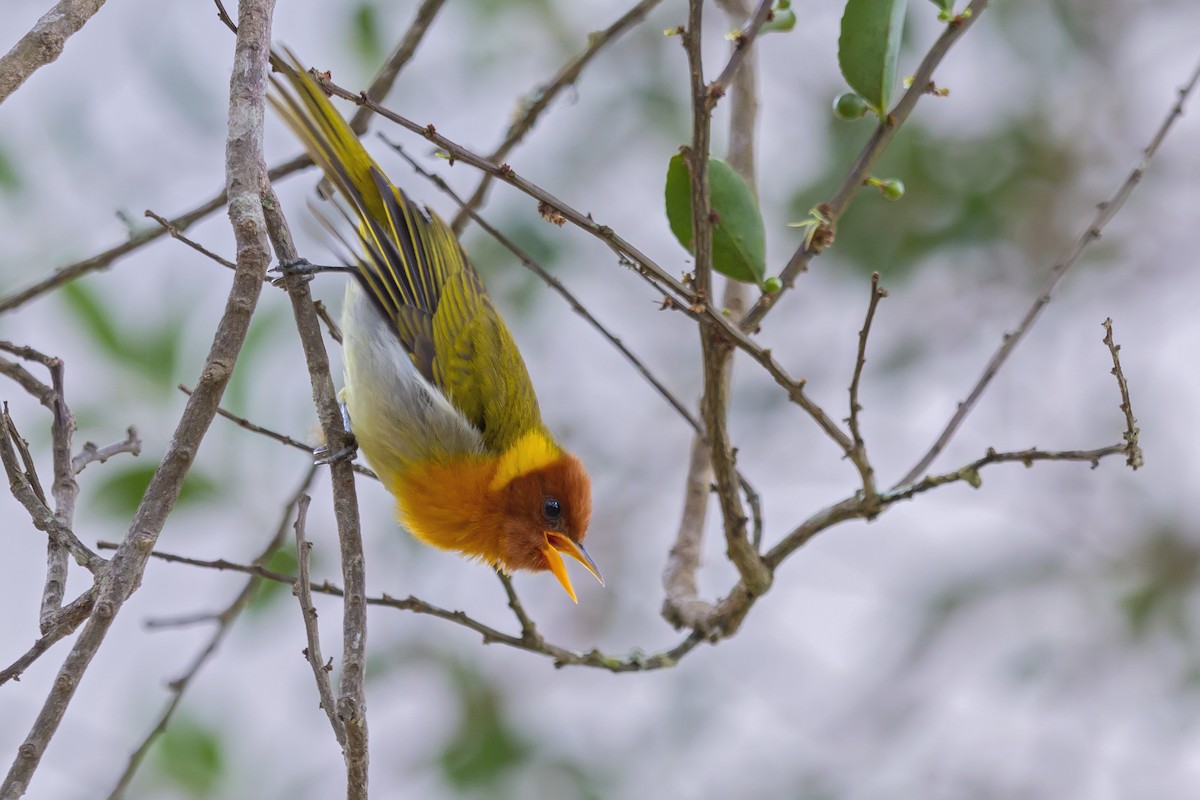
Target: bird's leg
322	455
305	269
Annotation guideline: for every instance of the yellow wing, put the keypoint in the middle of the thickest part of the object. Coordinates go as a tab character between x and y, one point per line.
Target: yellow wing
418	276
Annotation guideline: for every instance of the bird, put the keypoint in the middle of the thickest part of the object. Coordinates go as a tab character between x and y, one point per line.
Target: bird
436	392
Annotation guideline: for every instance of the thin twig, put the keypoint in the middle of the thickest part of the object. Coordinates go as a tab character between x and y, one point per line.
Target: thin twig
335	332
682	606
40	391
312	653
33	499
833	209
30	468
199	248
542	96
529	632
859	454
1104	214
68	618
91	454
1133	450
28	353
970	472
244	175
282	438
65	491
44	43
224	619
562	657
743	41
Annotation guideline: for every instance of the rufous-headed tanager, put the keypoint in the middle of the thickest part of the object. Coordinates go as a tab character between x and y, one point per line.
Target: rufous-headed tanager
440	402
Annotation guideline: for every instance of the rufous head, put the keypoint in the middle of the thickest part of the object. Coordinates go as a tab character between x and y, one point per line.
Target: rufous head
544	514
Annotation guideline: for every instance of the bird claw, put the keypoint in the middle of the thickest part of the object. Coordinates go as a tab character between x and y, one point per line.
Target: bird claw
323	456
303	269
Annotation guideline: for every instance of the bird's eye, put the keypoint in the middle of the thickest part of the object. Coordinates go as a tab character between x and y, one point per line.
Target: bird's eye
551	508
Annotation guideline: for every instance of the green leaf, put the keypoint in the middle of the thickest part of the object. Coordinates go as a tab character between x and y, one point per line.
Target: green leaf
869	48
121	490
739	242
945	6
190	754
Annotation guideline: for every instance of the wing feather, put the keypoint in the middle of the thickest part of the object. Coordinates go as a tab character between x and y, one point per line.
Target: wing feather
416	273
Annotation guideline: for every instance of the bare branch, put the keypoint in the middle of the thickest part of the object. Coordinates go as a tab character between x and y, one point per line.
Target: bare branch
40	391
44	43
199	248
970	472
351	701
282	438
312	653
335	332
859	453
1132	450
716	350
743	40
68	618
832	209
1104	214
682	606
65	491
90	454
529	632
542	97
245	174
33	499
562	657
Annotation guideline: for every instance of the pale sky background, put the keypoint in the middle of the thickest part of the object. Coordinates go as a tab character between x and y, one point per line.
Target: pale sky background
1035	638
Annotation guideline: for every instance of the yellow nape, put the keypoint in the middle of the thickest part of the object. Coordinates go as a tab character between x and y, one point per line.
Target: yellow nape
531	452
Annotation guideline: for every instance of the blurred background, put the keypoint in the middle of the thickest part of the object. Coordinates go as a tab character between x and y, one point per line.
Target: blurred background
1035	638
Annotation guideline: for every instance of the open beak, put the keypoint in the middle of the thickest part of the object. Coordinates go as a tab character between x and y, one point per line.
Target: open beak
555	545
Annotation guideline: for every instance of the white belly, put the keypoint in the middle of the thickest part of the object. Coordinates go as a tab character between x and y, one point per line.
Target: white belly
398	417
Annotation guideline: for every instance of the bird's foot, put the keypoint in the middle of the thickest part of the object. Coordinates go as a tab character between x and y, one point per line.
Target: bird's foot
303	268
324	455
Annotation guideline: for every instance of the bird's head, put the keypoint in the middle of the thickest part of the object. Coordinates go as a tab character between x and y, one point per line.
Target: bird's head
545	504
